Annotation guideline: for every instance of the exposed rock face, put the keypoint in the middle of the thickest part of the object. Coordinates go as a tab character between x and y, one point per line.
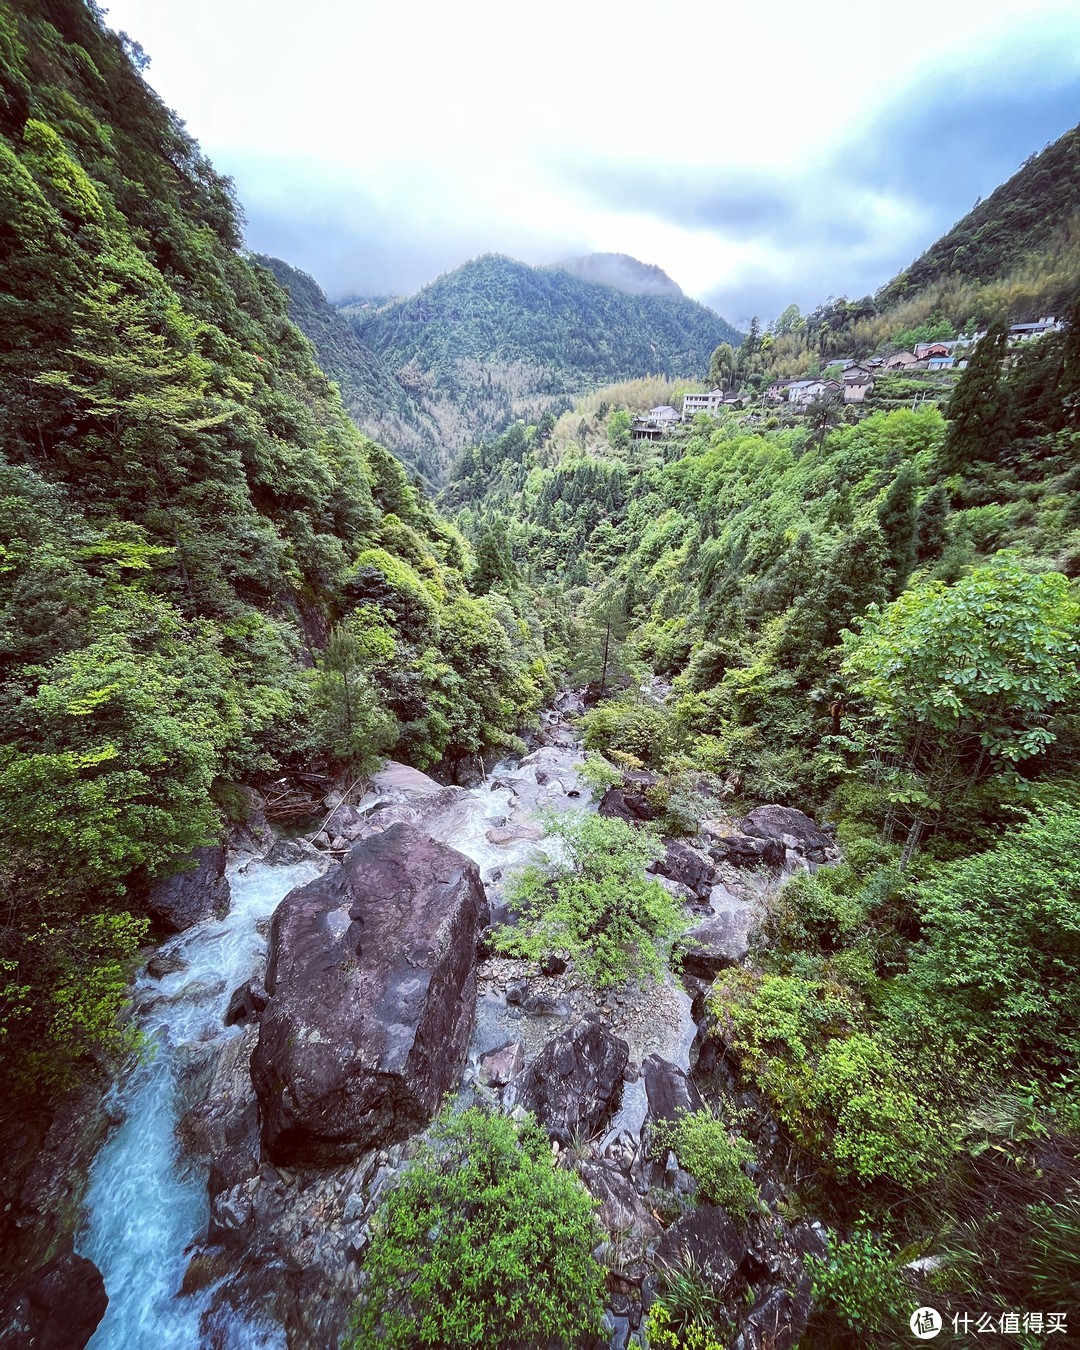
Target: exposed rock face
744	850
399	783
723	938
622	1210
246	1003
189	897
671	1094
571	1084
626	804
794	829
59	1308
372	983
684	865
708	1238
499	1066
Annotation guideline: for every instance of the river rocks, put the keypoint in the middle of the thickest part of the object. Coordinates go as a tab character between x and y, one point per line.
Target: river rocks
246	1003
685	866
59	1308
546	1004
399	783
165	963
553	965
743	850
372	982
200	892
571	1085
793	829
499	1066
723	938
622	1211
510	834
670	1093
708	1239
626	804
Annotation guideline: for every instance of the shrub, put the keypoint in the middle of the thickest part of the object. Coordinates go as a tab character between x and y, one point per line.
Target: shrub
599	775
483	1242
638	729
593	902
858	1290
713	1156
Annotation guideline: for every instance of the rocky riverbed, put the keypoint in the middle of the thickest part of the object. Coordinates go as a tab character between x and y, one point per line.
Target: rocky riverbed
306	1023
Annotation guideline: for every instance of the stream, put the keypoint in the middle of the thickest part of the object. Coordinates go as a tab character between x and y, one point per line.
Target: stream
147	1203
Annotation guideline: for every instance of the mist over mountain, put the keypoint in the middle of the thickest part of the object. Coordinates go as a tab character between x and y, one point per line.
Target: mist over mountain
621	271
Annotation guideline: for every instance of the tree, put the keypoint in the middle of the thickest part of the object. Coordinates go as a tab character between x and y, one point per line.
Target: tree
353	725
722	365
791	321
898	518
822	415
978	410
962	681
494	561
618	432
483	1242
930	529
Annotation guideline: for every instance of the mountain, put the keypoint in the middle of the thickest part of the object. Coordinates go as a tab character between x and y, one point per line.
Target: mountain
622	272
497	340
1030	213
373	398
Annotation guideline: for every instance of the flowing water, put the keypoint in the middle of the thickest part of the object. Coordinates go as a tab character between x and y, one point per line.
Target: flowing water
146	1202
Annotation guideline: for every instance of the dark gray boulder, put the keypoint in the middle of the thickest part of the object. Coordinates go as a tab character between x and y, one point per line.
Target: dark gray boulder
684	865
246	1002
708	1239
626	804
571	1085
372	982
670	1093
792	828
59	1308
721	939
188	897
744	850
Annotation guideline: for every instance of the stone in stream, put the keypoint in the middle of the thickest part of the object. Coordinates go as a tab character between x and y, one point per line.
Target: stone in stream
571	1086
510	834
372	982
671	1094
188	897
499	1066
721	939
246	1003
165	963
59	1308
743	850
687	867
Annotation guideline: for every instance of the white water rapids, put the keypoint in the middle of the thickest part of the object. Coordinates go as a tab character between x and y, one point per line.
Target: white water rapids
147	1204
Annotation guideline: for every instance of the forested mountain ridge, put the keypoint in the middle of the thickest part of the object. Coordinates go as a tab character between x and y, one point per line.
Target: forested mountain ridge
206	573
621	271
372	397
496	340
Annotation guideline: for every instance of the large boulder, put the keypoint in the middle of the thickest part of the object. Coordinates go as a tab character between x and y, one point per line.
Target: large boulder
59	1308
571	1085
188	897
707	1239
791	827
670	1093
745	850
723	938
686	866
372	982
626	804
399	783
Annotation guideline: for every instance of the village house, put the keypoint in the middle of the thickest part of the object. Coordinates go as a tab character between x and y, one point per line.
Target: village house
655	423
901	361
857	387
801	392
710	403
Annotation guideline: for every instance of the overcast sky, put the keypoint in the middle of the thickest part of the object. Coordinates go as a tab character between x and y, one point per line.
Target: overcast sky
759	151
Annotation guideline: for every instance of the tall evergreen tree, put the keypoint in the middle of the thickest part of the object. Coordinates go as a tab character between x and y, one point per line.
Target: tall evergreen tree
898	518
978	410
930	529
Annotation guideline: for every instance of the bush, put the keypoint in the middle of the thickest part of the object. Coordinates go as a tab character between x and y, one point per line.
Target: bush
638	729
593	902
713	1156
599	775
858	1291
483	1242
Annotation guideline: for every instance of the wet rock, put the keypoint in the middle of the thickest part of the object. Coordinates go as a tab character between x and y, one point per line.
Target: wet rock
571	1085
499	1066
188	897
59	1308
224	1126
622	1210
246	1003
707	1238
791	828
510	834
399	783
688	868
287	852
723	938
372	982
670	1093
165	963
553	965
517	991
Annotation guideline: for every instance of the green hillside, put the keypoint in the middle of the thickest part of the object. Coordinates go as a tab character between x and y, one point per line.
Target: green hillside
497	340
207	575
372	397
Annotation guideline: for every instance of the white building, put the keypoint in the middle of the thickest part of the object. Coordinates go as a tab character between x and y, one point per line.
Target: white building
710	403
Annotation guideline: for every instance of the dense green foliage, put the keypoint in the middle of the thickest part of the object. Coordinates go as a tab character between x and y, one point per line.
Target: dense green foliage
496	340
483	1242
188	515
713	1155
372	397
593	903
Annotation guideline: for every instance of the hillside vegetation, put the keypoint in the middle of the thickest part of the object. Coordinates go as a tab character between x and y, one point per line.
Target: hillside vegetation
206	573
372	397
497	340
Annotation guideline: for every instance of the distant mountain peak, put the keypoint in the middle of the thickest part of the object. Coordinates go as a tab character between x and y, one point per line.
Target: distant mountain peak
622	272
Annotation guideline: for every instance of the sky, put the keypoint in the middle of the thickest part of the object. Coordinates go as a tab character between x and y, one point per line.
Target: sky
762	152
